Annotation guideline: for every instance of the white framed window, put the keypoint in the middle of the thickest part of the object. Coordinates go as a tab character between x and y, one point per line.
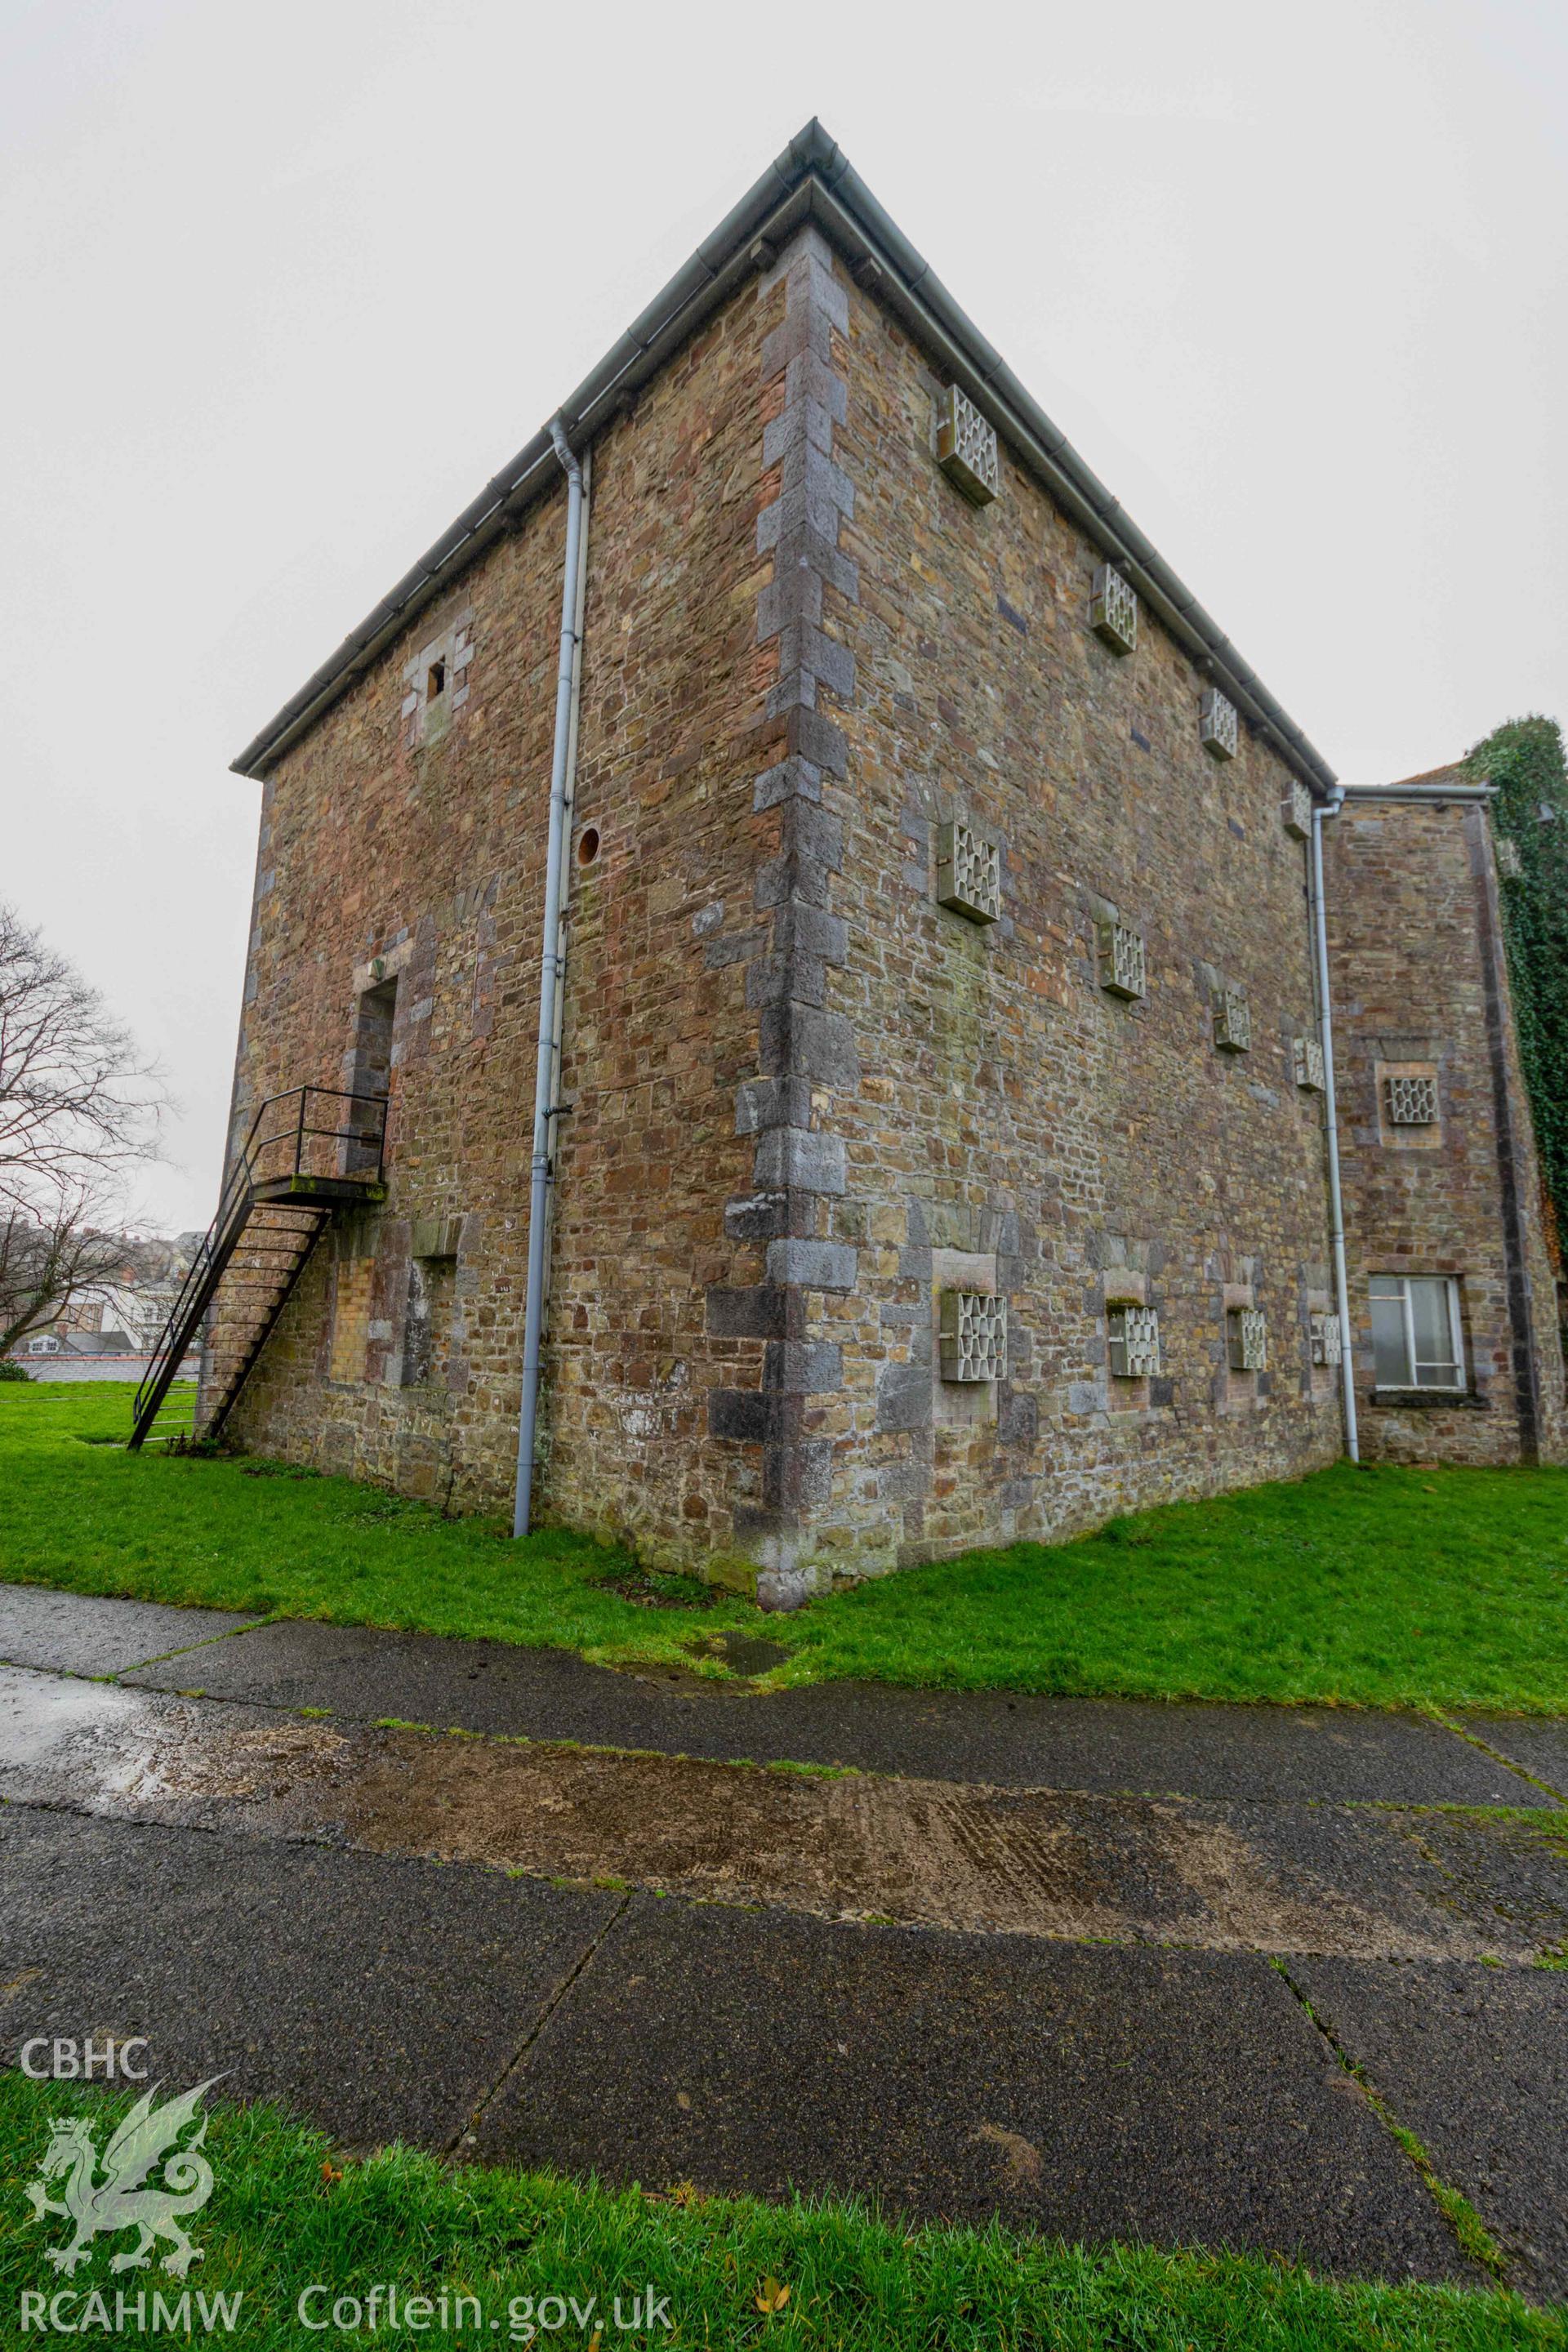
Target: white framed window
1417	1339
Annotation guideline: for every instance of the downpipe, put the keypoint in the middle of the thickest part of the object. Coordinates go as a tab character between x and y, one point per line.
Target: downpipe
1336	1198
549	969
559	1109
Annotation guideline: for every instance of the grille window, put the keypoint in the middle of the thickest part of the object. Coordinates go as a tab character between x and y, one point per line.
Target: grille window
1122	958
966	448
973	1336
1218	725
1113	610
1412	1102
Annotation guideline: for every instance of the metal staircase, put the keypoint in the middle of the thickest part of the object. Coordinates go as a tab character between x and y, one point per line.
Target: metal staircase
288	1182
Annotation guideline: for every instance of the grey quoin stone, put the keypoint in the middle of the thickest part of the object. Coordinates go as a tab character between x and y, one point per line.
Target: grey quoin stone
803	1161
813	1266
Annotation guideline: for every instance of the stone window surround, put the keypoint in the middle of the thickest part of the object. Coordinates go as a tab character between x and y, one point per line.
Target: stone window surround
1424	1138
426	718
1231	1018
960	1404
966	447
1124	977
1113	609
1242	1392
1219	724
1307	1063
1320	1302
969	870
1296	809
1124	1286
376	972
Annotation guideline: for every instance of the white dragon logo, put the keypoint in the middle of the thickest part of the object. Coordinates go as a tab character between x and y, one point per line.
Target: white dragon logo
119	2201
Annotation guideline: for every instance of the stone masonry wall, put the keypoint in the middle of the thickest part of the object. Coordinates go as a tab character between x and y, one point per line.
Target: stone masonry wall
801	1100
403	841
969	1107
1413	925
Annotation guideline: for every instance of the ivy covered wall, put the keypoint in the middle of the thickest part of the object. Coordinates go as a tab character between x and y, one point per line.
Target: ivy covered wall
1524	758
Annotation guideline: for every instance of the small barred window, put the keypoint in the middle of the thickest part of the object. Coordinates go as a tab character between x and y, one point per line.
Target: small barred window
1248	1339
1218	726
1412	1102
1122	958
966	448
1113	610
1232	1022
969	874
973	1335
1134	1338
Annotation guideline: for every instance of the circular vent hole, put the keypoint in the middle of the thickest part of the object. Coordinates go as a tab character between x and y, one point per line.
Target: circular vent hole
587	844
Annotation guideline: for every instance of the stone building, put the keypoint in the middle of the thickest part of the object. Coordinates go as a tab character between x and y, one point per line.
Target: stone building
1459	1356
939	1133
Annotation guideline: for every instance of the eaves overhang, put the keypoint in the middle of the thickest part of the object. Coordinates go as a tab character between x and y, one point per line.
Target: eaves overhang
812	180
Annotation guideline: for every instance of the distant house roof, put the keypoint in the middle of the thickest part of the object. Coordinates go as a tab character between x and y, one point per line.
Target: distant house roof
812	180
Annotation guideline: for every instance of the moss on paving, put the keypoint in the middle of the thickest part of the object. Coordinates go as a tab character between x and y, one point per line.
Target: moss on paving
1378	1587
287	2211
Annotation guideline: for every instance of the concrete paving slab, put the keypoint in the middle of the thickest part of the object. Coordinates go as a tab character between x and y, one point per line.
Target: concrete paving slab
83	1633
1094	2092
367	1673
1146	1746
1474	2061
1506	1875
1274	1878
381	1997
1536	1743
1004	1738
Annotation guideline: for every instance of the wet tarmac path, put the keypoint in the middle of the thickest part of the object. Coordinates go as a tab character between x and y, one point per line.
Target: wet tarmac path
503	1903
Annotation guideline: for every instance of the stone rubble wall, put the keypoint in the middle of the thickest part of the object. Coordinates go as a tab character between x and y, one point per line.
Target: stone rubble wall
1414	936
801	1098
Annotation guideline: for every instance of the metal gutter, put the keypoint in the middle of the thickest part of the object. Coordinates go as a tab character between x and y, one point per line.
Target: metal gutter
1395	792
911	287
811	177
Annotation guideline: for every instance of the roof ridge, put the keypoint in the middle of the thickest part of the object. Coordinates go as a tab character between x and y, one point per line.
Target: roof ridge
811	178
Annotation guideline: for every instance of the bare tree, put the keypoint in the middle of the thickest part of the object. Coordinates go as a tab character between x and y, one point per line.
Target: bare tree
48	1255
77	1109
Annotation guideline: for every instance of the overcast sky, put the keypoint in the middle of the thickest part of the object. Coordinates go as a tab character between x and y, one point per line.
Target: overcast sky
283	284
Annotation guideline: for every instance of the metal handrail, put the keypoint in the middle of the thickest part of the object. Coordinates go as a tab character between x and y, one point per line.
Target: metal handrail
234	1202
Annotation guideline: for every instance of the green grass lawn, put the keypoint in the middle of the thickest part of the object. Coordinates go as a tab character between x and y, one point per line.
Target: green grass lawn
287	2213
1382	1586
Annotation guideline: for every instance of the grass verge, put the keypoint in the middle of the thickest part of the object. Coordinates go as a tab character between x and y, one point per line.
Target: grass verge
289	2213
1384	1587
